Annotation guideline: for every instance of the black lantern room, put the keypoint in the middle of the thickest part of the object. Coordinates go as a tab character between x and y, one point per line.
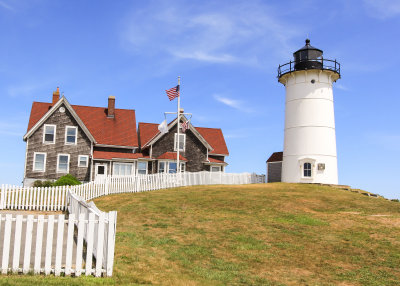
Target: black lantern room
308	58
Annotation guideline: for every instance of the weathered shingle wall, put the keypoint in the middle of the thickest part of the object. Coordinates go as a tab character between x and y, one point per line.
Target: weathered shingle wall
274	172
195	151
61	120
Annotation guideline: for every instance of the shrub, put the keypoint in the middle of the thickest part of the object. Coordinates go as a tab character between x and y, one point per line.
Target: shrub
38	183
67	180
47	183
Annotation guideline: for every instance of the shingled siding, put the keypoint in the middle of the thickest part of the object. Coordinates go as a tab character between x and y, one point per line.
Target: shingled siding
195	151
274	171
35	144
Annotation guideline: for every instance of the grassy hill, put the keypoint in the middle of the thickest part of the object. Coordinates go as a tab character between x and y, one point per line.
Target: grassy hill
269	234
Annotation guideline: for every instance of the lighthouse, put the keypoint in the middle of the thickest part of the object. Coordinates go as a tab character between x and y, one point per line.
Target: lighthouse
309	152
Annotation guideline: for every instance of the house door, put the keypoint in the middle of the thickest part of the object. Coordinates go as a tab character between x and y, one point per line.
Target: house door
101	170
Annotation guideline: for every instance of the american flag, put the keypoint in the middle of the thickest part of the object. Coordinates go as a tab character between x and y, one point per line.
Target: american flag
172	92
185	126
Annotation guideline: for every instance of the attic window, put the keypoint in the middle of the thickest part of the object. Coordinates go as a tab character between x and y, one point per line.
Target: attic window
182	140
70	135
49	134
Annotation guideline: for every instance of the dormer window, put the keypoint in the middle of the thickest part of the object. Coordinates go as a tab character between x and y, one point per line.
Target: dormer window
182	141
70	135
49	134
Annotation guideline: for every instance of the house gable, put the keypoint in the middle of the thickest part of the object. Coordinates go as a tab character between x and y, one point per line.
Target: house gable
158	135
36	145
63	102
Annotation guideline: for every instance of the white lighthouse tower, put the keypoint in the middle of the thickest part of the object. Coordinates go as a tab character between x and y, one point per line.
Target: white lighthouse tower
309	152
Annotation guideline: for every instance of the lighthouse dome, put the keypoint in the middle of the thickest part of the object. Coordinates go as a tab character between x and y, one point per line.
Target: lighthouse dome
308	57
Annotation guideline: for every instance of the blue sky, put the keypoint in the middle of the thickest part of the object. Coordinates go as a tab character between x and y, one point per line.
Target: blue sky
227	53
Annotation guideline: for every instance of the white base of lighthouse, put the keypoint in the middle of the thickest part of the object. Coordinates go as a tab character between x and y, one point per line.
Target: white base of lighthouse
309	153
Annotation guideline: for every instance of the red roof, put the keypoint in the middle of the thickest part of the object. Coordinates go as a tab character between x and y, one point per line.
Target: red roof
147	131
275	157
213	160
116	155
213	136
171	156
119	131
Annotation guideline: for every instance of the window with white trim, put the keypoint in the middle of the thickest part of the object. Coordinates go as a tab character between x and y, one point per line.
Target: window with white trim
39	162
83	160
49	134
215	168
71	134
142	168
122	169
170	166
182	141
307	169
63	163
162	167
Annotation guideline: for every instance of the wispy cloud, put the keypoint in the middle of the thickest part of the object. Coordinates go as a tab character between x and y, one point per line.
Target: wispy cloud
340	86
11	129
234	103
3	4
242	33
29	89
382	9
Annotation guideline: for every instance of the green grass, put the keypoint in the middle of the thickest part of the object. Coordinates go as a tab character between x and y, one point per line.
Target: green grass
269	234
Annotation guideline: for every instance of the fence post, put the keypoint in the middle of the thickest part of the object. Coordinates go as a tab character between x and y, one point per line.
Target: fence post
112	224
2	197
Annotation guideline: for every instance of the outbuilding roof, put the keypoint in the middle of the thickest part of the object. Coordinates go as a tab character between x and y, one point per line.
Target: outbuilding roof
275	157
117	131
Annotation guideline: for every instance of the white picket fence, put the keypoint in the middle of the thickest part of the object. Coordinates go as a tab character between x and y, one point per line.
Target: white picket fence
86	224
45	244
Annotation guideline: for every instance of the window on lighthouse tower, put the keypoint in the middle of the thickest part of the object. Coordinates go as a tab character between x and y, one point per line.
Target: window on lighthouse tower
307	169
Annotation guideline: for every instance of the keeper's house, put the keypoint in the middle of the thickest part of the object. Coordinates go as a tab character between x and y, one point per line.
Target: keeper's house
90	142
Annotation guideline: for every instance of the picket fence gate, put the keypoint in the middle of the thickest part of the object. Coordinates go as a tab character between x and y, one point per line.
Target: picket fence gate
45	234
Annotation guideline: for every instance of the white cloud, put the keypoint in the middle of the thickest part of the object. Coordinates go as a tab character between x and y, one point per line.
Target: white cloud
340	86
244	32
234	103
382	9
6	6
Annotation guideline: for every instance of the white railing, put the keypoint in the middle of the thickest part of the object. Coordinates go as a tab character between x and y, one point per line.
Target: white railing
54	236
30	198
100	241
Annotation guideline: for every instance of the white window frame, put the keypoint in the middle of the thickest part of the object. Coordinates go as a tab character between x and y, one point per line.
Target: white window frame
44	133
311	170
215	166
34	161
124	164
58	163
76	134
167	162
176	141
165	166
302	162
137	169
79	161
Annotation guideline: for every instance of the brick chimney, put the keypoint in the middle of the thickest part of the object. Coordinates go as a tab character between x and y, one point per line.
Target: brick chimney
56	95
111	106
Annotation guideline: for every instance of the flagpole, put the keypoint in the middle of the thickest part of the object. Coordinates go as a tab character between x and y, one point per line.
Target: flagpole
178	169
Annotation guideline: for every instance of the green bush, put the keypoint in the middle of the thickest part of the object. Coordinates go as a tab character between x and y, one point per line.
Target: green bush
47	183
38	183
67	180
